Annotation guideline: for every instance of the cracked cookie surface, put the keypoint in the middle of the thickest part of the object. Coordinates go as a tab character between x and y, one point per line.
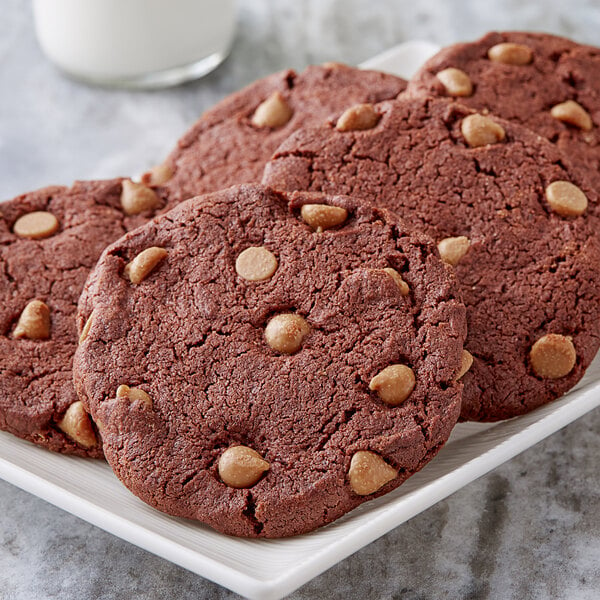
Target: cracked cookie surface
554	89
49	241
232	141
288	358
485	190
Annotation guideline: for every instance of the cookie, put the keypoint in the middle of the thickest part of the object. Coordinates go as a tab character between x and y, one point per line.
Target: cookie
231	143
506	212
265	368
49	241
548	83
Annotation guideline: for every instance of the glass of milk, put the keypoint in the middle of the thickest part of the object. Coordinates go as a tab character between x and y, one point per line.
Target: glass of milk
135	43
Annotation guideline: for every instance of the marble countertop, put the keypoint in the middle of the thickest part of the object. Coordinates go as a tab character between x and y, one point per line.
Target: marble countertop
530	529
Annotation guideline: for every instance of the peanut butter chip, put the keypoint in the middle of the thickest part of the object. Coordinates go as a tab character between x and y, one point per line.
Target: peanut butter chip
566	199
86	328
481	131
34	322
256	264
241	467
358	118
369	472
77	425
36	225
553	356
394	384
133	394
452	249
144	263
158	175
322	216
456	82
137	198
572	113
286	332
273	112
466	361
402	285
511	54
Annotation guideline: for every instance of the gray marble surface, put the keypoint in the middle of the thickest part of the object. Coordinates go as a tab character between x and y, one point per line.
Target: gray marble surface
530	529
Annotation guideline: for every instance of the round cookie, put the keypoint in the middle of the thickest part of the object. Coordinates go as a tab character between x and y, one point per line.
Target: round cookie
515	222
231	142
281	363
548	83
49	241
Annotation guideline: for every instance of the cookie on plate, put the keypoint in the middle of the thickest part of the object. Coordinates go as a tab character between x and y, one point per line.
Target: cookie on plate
504	209
232	141
548	83
49	241
265	363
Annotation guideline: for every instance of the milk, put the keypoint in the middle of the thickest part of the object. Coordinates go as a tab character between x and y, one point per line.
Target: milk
135	42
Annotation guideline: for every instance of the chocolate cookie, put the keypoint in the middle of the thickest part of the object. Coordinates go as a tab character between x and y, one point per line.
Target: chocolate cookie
231	143
548	83
265	368
49	241
505	210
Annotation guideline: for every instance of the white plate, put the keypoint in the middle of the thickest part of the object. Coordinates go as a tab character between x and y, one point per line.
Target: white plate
270	569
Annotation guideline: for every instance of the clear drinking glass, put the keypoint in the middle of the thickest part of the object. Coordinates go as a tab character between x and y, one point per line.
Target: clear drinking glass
135	43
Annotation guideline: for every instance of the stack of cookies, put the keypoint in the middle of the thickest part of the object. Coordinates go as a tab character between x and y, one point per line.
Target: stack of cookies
289	315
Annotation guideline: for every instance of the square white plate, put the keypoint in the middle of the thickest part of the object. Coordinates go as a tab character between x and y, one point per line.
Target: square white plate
270	569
